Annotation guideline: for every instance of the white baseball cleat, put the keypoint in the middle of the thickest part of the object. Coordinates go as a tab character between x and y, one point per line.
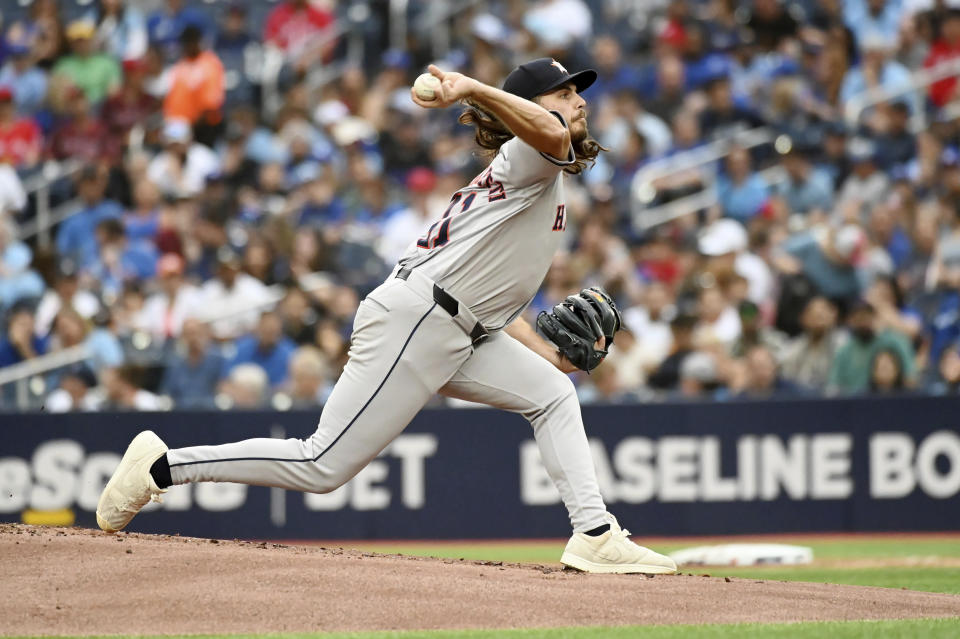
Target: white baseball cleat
131	486
613	552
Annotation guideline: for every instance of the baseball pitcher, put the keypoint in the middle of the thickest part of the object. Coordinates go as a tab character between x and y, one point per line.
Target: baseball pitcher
447	321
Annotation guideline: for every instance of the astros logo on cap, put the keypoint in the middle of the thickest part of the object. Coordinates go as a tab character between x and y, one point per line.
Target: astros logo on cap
558	65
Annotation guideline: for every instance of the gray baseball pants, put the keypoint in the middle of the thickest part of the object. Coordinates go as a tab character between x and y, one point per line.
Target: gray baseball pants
404	348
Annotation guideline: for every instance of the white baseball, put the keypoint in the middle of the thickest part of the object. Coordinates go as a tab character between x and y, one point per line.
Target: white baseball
426	86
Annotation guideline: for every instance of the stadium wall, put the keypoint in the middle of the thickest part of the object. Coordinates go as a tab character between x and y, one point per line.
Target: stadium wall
665	469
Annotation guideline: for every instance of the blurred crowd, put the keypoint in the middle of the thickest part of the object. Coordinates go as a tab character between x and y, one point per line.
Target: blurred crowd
223	218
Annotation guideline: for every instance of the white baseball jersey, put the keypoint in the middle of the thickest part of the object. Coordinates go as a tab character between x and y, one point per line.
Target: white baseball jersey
473	251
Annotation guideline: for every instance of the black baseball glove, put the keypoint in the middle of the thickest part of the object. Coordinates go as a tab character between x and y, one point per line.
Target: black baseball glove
578	322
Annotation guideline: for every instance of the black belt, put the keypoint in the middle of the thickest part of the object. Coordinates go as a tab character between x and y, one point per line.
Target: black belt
450	304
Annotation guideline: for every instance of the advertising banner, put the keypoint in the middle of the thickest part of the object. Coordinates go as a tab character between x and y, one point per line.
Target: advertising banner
664	469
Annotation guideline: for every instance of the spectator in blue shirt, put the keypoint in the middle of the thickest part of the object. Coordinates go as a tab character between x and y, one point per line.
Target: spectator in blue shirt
828	258
897	146
17	280
806	188
234	46
70	329
142	222
866	17
763	378
117	261
20	343
666	88
28	81
722	117
943	319
121	29
76	239
946	377
613	75
742	192
268	347
887	231
165	25
193	368
877	71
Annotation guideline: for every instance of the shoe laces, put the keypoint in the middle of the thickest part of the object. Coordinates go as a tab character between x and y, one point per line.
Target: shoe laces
616	530
615	527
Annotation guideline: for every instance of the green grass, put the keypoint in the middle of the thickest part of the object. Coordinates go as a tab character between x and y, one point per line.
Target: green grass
928	576
906	629
930	579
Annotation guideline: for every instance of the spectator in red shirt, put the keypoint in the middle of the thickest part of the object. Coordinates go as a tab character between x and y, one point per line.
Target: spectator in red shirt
292	26
946	48
20	138
131	104
82	136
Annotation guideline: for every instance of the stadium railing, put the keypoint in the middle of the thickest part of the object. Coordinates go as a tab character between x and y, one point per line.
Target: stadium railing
705	158
643	193
308	283
28	376
435	20
860	103
320	74
29	373
39	186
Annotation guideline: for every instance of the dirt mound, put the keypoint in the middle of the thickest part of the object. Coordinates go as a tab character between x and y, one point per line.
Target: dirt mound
77	581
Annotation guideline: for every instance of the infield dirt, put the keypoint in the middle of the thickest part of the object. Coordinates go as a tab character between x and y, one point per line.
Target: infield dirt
70	581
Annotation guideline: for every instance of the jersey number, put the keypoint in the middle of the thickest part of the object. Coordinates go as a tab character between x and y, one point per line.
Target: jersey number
495	193
443	233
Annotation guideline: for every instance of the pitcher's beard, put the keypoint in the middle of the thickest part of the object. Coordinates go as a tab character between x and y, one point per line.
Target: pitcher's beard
578	131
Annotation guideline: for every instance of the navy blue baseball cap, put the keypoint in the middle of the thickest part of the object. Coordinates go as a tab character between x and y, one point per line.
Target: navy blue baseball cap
544	75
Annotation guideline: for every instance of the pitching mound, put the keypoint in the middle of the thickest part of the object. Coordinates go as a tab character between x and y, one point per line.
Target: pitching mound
76	581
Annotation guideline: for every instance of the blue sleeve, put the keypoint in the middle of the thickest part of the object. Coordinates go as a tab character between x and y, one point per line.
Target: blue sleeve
244	346
227	365
133	18
152	22
912	313
65	239
8	355
824	187
760	185
280	364
201	20
143	259
168	384
852	84
799	245
853	12
106	348
111	209
17	256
